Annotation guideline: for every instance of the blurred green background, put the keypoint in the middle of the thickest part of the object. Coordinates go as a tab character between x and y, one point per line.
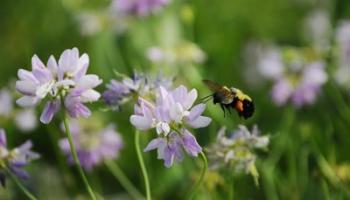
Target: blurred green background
309	153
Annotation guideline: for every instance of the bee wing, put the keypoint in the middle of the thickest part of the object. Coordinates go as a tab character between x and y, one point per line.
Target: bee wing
214	87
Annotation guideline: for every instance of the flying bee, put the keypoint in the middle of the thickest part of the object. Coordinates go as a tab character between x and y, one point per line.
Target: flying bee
230	98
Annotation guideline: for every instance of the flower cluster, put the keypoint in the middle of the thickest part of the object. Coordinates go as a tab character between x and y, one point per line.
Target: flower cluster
342	39
170	115
138	7
298	74
93	146
15	159
64	82
237	150
120	92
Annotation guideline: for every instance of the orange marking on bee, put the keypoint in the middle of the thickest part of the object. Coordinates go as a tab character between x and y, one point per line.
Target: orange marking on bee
239	106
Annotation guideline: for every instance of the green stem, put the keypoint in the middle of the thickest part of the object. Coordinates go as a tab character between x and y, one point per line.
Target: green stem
19	184
142	163
75	156
231	188
201	178
123	180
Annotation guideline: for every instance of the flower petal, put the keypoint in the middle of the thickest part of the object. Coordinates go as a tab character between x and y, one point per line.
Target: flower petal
27	101
140	122
51	108
196	111
200	122
154	144
190	144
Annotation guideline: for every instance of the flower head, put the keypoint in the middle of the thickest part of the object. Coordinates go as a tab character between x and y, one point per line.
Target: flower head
15	159
65	79
298	74
170	115
342	53
237	150
93	146
120	92
138	7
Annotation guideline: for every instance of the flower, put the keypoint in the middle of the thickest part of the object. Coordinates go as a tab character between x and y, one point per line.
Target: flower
93	146
15	159
170	115
185	53
138	7
65	79
342	53
6	105
318	29
26	120
297	74
120	92
237	150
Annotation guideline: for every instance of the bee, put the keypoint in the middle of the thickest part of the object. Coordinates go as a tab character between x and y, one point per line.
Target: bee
230	98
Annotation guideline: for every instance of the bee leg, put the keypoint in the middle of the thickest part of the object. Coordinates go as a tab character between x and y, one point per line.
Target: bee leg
228	108
223	109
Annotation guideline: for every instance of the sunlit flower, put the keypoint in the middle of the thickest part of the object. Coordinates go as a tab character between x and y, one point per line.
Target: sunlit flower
15	159
237	150
138	7
182	54
170	115
93	146
66	79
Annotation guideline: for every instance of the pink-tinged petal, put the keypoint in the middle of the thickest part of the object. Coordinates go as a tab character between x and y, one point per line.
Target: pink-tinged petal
281	91
51	108
190	144
154	144
190	99
3	141
26	76
196	111
200	122
75	107
83	66
52	65
26	87
168	156
43	75
27	101
140	122
179	94
68	61
89	81
90	96
37	63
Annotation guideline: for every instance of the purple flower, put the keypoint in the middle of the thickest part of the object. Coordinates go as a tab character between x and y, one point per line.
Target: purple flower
296	78
172	112
342	53
66	79
138	7
120	92
15	159
93	147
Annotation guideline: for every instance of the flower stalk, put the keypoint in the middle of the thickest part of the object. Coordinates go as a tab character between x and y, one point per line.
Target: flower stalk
142	164
123	180
201	178
75	155
21	186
